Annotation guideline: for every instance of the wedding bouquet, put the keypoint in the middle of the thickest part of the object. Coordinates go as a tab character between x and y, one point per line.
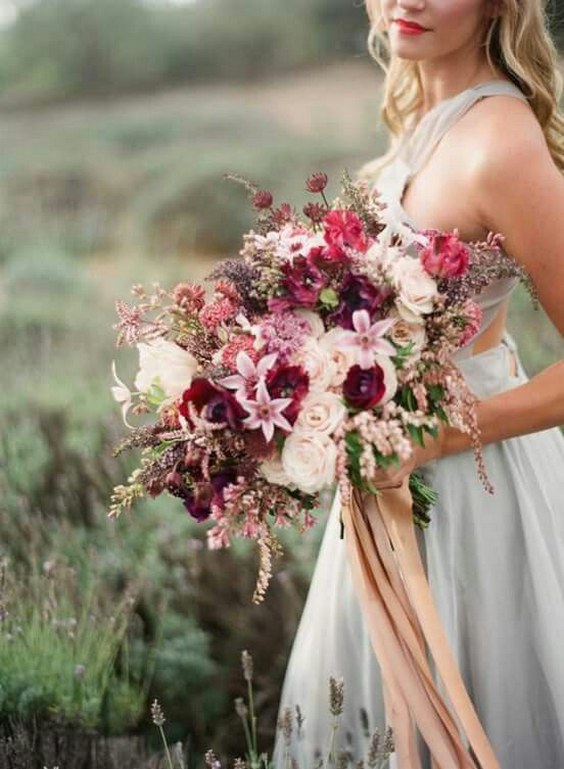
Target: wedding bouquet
319	355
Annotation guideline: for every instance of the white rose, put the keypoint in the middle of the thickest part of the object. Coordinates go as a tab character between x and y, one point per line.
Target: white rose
166	365
309	459
404	333
318	364
416	289
322	412
343	357
312	318
274	472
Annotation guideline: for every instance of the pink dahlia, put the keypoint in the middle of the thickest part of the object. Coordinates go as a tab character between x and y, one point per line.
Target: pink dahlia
446	256
345	229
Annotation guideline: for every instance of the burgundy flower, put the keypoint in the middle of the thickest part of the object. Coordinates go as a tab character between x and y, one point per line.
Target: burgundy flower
221	480
262	199
282	215
315	212
189	296
317	182
289	382
303	283
364	388
212	403
358	292
446	256
344	228
155	487
198	502
328	257
256	445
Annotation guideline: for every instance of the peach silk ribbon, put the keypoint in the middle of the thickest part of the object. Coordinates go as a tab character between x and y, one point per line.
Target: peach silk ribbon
401	616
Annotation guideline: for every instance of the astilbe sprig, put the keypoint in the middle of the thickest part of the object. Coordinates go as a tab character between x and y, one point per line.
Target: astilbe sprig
365	203
140	437
250	511
156	468
460	408
134	326
156	314
124	496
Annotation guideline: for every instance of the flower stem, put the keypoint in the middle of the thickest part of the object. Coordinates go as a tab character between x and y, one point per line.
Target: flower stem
167	751
253	718
334	730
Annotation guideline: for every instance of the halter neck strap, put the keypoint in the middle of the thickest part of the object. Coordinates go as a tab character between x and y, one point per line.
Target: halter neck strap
420	144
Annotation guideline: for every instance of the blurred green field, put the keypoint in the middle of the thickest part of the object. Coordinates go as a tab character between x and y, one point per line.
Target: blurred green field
95	197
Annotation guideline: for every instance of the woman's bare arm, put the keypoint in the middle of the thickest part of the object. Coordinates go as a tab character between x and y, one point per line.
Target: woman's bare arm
519	192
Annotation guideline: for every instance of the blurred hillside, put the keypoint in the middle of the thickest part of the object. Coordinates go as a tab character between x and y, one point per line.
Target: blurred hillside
61	49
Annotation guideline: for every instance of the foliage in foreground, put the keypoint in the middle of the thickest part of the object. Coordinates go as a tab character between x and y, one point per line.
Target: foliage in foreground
290	722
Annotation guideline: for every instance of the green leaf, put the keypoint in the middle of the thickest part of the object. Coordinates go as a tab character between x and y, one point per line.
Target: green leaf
386	461
424	497
416	434
402	353
354	450
441	413
156	395
436	393
329	298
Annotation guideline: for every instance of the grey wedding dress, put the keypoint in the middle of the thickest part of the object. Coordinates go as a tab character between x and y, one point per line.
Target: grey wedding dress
495	563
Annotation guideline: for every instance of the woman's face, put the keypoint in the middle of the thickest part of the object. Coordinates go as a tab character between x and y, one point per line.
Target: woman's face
422	30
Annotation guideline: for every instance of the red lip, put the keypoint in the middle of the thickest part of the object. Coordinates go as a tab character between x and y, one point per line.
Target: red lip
410	27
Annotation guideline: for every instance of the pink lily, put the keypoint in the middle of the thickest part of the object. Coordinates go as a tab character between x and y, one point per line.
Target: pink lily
368	338
249	374
266	412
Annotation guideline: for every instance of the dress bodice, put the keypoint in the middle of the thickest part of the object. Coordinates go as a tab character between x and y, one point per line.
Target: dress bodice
413	153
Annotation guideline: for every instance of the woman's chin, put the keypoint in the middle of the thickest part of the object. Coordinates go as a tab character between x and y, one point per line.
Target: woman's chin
411	48
408	53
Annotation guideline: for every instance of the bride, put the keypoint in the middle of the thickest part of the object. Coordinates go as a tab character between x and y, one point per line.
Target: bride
470	100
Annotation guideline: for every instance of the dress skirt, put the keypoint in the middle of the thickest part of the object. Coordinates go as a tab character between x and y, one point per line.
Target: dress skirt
495	564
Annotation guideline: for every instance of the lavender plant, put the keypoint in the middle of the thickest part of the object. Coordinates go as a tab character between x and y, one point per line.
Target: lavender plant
380	747
58	646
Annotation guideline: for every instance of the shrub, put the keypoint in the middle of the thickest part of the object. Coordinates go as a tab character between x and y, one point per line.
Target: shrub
58	646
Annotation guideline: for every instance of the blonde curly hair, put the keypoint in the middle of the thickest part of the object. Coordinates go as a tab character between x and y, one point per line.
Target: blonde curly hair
518	44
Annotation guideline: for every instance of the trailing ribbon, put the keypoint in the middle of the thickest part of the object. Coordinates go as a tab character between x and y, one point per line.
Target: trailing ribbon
404	627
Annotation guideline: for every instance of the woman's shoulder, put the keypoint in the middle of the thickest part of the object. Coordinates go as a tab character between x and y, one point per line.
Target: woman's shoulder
501	134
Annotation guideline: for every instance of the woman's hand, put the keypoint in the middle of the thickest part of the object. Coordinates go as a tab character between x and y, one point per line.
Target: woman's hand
392	477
